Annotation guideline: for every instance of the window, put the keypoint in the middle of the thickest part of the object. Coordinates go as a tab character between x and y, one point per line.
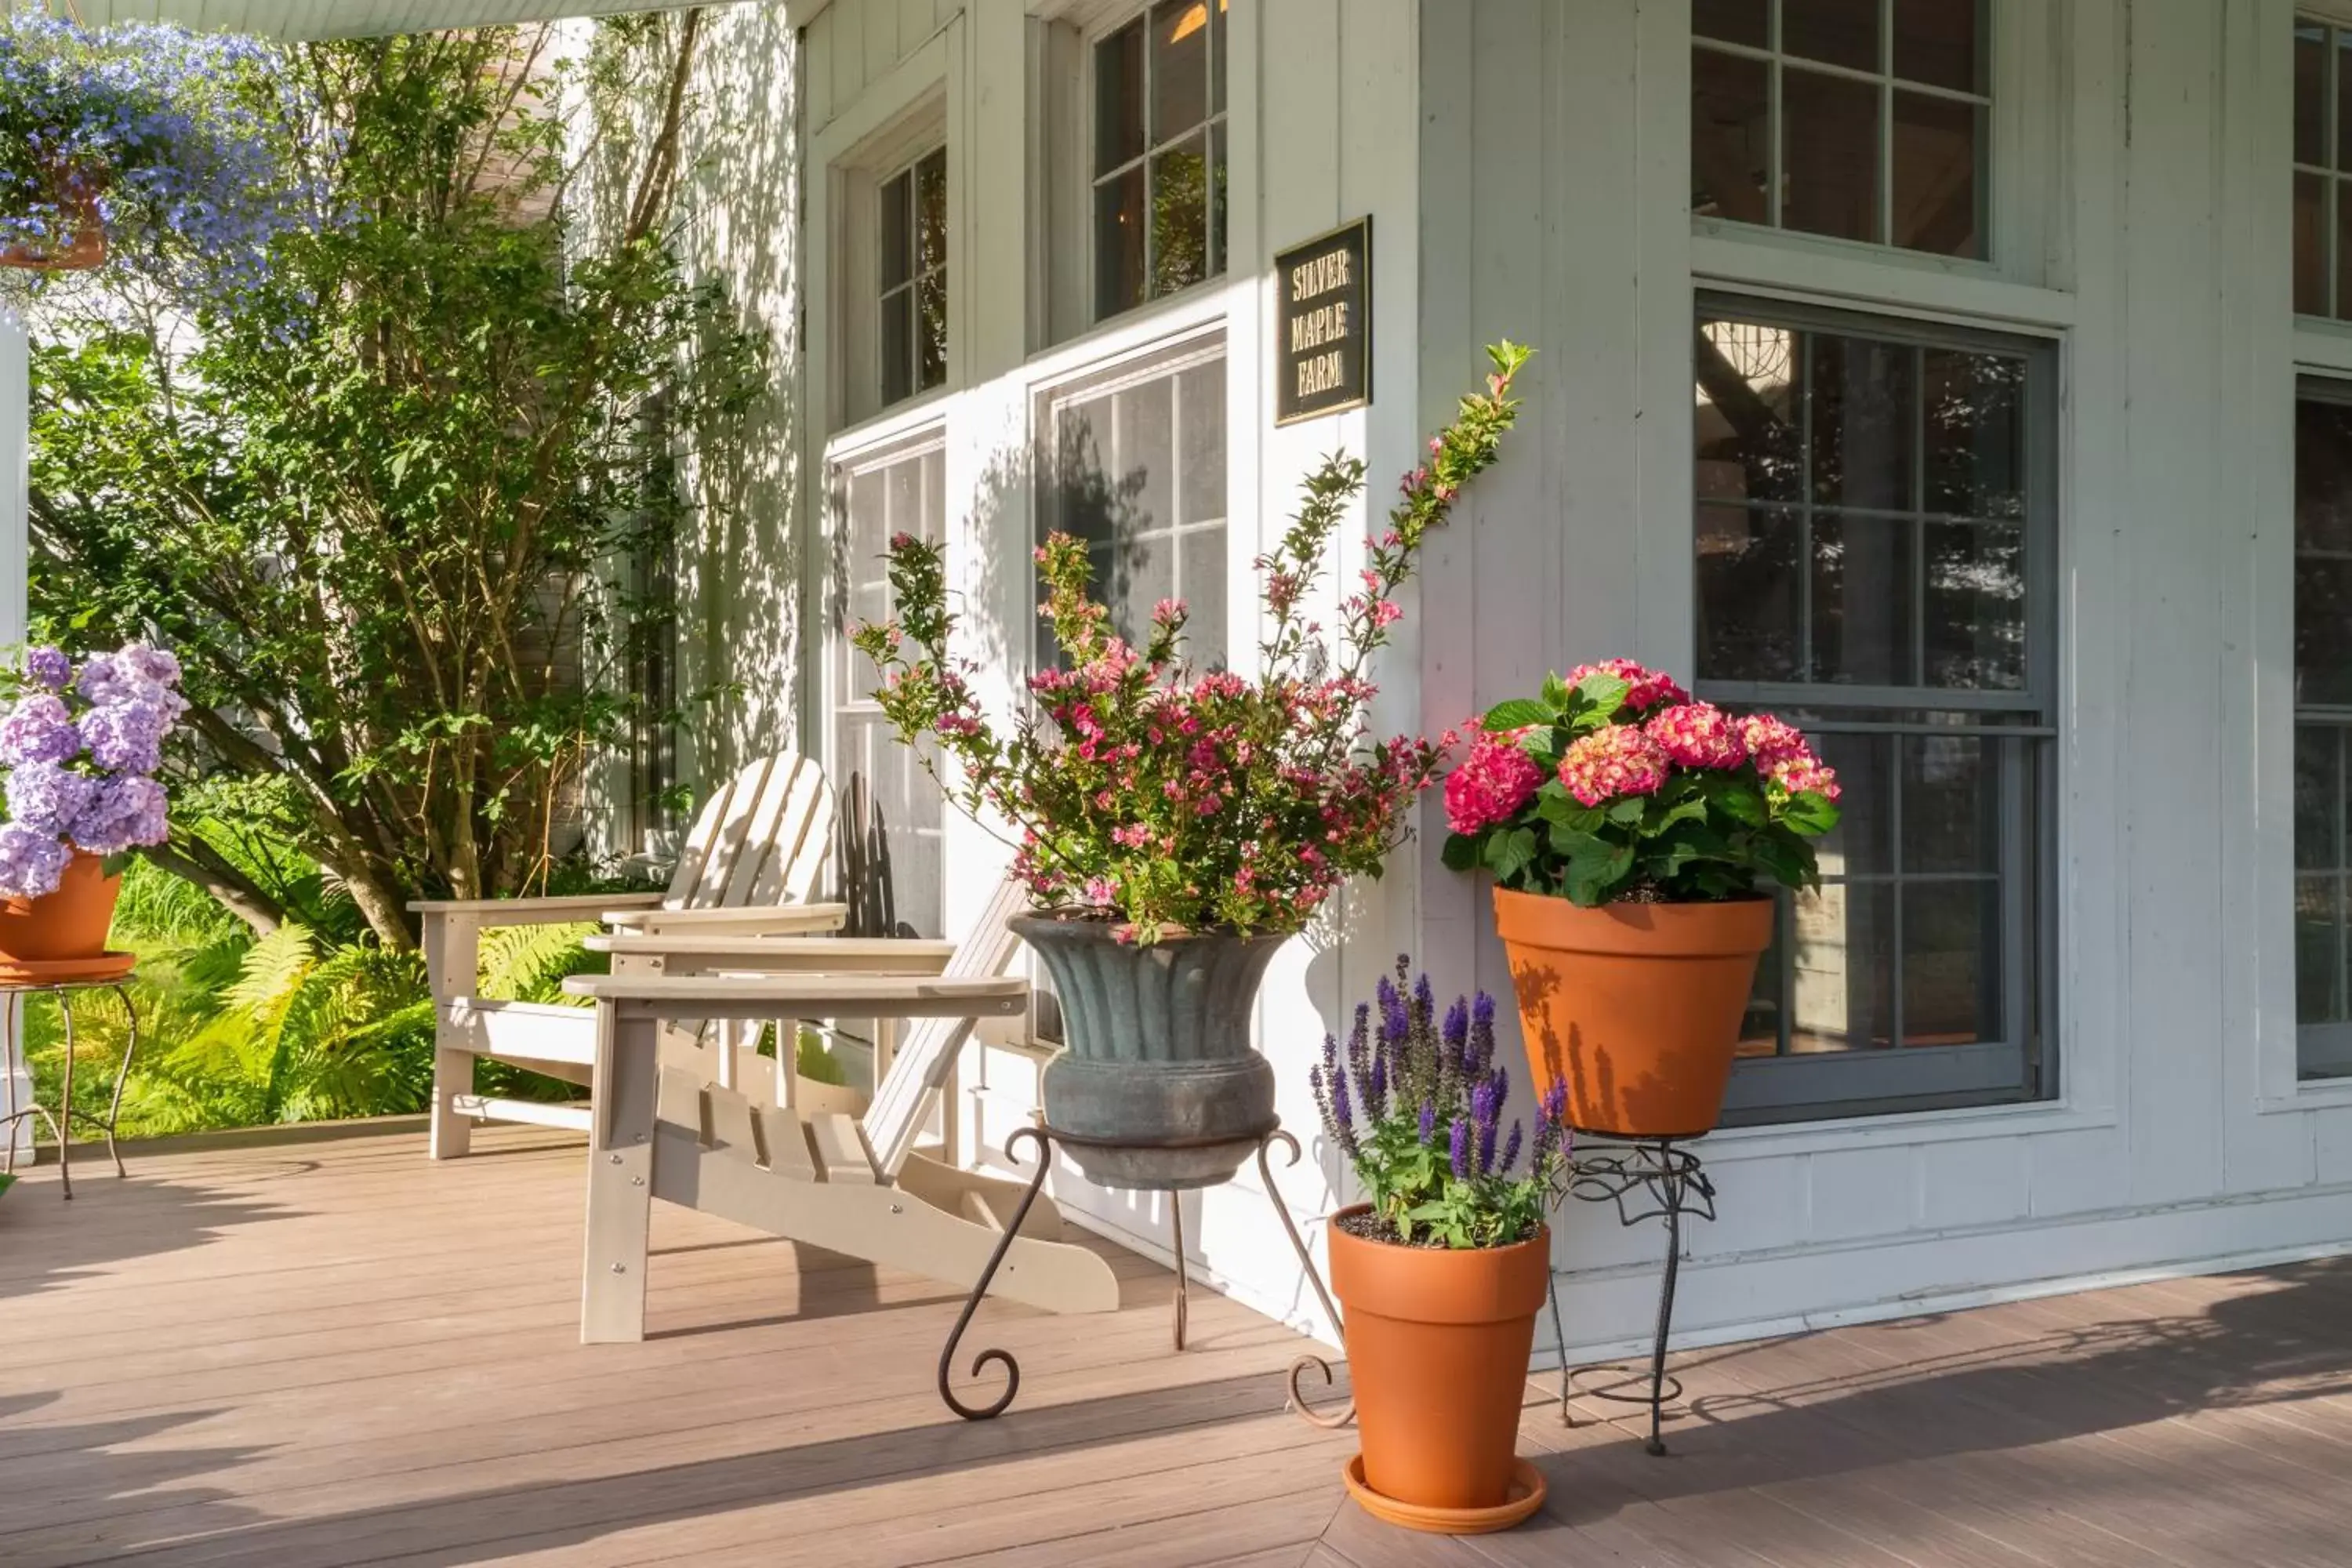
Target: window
1159	165
913	243
2322	727
892	810
1857	119
1875	520
2323	163
1135	465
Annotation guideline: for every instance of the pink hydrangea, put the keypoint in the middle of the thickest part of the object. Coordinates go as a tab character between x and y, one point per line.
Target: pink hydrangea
1771	740
1614	760
1645	688
1493	782
1805	774
1698	735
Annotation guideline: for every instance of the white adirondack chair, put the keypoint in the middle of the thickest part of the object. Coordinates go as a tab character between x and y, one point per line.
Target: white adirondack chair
856	1185
750	867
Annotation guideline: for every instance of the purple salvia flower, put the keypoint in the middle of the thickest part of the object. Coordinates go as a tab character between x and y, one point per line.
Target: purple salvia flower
1486	1112
1428	1122
1376	1091
39	729
1481	1032
1511	1148
1456	1034
1425	999
49	666
45	797
1461	1149
31	862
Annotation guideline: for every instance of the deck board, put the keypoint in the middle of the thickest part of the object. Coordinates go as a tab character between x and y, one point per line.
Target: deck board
339	1353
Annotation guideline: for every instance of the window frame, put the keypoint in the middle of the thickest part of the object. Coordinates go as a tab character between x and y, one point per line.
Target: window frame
1163	359
2023	184
2331	1042
1810	1088
844	461
910	170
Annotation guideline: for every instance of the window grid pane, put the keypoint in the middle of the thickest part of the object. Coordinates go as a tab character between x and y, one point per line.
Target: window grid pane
1862	120
912	236
900	837
2323	164
1863	533
1160	154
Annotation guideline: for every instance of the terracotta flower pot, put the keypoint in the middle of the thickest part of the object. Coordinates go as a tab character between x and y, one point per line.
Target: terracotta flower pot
1636	1005
68	923
1437	1344
85	249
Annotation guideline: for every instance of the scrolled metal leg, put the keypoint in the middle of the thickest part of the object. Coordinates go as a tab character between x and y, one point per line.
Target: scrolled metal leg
1325	1418
1559	1342
980	1292
122	1074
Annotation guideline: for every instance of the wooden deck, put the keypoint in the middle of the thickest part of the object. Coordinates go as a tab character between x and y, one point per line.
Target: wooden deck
336	1354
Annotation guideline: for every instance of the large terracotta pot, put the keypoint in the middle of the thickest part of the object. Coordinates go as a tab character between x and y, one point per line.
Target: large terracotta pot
68	923
1437	1344
85	249
1156	1050
1636	1005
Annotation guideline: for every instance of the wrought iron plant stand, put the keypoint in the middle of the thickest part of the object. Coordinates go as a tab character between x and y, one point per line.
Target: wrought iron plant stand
1045	1138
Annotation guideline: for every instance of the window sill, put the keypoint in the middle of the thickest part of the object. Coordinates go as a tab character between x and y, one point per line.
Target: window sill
1902	1129
1143	328
2313	1094
1804	267
900	420
2323	344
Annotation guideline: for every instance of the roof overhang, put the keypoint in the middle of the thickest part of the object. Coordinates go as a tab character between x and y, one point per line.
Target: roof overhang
356	19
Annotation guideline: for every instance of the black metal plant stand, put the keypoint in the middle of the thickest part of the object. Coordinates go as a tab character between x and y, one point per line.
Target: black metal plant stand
1647	1179
61	1120
1045	1138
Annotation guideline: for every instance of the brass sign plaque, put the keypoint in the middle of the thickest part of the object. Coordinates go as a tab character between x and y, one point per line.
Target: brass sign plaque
1323	324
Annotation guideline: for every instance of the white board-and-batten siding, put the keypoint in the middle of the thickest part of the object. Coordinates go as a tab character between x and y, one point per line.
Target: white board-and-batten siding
1525	166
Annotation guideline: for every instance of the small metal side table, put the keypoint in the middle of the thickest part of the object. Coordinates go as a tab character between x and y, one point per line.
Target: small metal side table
1045	1137
14	995
1647	1179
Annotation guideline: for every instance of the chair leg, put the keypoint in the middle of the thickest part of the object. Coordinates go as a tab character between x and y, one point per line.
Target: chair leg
453	1132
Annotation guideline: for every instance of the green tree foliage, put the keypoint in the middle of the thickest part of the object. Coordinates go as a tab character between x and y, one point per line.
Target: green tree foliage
384	506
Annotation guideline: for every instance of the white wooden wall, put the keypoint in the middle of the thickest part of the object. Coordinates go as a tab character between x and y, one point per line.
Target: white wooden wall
1526	165
1554	175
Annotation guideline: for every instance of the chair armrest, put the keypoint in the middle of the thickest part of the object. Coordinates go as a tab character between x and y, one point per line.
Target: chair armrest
685	953
551	911
807	996
765	921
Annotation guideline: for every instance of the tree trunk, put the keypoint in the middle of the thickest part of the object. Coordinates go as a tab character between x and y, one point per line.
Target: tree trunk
235	891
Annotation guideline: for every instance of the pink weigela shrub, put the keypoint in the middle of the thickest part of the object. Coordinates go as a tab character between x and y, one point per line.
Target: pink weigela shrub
1140	791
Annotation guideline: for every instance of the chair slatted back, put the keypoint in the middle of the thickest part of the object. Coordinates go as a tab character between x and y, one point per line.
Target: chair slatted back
763	837
903	1100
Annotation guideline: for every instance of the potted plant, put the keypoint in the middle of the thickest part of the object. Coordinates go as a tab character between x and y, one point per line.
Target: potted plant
1439	1274
81	748
142	142
1174	828
1634	836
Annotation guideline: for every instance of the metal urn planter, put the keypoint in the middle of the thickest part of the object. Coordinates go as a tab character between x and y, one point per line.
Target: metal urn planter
1157	1082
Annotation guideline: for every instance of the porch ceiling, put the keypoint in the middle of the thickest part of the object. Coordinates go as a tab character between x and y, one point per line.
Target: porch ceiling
348	18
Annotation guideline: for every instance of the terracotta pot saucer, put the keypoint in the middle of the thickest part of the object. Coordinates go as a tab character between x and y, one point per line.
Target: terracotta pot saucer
1527	1496
94	971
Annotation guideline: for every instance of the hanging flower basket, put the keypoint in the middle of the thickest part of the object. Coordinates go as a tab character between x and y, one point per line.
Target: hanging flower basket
147	147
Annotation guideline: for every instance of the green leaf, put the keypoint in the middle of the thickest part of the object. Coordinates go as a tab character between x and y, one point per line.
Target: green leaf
1515	713
1460	852
1811	813
1739	800
1555	693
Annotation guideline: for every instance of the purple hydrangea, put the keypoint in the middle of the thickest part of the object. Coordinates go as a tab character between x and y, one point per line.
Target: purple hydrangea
31	862
39	729
48	798
127	736
49	666
123	813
